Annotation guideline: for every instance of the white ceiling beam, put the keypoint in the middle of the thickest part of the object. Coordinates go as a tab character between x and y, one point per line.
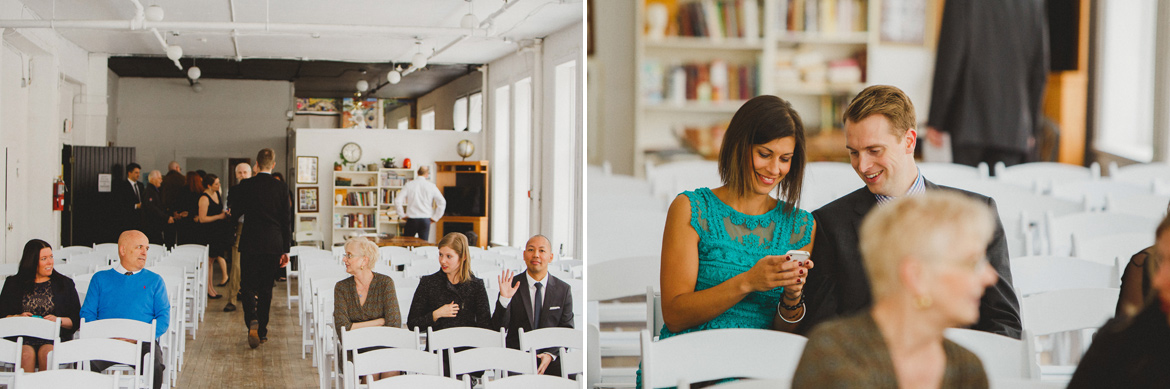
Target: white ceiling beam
228	27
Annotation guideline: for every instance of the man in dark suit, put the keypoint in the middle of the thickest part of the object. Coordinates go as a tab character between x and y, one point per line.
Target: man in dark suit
262	201
989	79
154	213
880	136
128	195
539	292
173	187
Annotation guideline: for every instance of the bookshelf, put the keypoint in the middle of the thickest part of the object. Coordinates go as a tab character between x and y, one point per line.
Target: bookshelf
694	71
363	201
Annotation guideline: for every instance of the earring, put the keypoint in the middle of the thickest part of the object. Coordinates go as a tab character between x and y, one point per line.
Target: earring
923	302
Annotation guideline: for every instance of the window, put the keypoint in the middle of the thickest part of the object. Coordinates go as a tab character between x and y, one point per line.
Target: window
565	183
1125	95
459	114
522	154
403	123
427	119
502	151
475	112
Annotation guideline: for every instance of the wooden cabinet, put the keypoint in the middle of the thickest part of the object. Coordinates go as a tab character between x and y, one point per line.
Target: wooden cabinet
465	187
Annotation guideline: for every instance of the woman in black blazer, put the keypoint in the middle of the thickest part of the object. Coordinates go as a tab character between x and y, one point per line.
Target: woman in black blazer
39	291
451	297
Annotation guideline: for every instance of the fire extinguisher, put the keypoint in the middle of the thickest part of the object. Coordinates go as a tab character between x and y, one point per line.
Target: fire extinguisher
58	195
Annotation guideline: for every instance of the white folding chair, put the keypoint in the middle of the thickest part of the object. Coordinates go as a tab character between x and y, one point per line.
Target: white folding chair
66	379
352	341
393	359
1145	205
68	252
617	279
944	173
82	351
825	182
451	338
173	342
431	252
1002	357
419	381
514	252
1039	176
1107	248
1094	193
500	360
567	340
107	249
30	326
1061	230
532	381
10	353
620	233
1142	174
126	329
1032	275
1058	311
667	362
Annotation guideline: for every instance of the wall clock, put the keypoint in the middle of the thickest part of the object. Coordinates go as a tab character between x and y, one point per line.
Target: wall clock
351	152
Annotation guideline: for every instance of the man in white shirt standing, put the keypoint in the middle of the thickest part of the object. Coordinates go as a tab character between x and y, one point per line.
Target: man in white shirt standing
424	204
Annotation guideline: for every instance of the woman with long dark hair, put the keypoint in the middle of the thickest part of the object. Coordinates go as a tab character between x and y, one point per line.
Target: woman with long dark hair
39	291
212	219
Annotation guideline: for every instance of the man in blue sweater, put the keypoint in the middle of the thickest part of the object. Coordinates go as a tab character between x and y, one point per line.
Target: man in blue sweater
129	292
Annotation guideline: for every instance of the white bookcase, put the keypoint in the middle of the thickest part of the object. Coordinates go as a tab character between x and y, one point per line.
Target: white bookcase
363	201
794	65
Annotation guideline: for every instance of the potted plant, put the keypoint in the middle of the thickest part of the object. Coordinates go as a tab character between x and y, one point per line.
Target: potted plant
388	163
337	166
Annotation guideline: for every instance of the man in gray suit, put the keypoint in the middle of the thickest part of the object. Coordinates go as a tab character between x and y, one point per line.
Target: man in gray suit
880	136
989	78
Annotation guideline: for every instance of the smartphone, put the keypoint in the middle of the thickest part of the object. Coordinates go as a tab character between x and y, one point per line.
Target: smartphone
797	255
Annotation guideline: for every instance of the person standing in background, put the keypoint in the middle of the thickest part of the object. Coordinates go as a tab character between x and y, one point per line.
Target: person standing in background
989	79
155	219
128	199
172	189
424	204
243	172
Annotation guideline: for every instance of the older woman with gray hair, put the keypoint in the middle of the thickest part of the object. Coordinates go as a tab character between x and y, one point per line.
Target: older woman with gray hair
926	261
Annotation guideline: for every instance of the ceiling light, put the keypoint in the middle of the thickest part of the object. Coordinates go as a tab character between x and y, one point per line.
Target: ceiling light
154	13
362	85
419	60
193	73
394	77
469	20
174	52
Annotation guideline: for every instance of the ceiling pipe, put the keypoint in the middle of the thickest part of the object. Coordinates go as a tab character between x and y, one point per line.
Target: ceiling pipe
138	22
235	33
482	26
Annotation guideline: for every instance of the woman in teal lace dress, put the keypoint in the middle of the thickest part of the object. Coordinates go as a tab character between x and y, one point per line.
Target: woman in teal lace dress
723	249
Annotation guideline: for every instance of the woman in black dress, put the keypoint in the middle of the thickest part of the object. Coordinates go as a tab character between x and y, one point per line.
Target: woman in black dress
215	233
39	291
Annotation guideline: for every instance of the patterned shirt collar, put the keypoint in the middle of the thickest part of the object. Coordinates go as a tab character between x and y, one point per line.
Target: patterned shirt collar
919	187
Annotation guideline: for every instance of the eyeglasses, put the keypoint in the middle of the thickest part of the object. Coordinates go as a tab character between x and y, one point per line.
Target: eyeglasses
349	256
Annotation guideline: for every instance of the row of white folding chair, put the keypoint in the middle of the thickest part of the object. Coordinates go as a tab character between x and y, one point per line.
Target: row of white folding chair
601	182
1081	311
669	362
303	264
304	255
1147	205
307	314
1039	274
1040	176
1003	357
514	252
201	254
320	288
1063	230
669	179
431	252
619	279
353	340
195	286
10	354
1112	248
423	363
82	351
617	234
567	340
173	343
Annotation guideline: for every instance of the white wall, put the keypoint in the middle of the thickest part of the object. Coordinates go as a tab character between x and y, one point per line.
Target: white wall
166	120
31	120
443	98
422	147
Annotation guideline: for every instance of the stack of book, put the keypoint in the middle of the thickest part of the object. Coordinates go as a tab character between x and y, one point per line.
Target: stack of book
827	17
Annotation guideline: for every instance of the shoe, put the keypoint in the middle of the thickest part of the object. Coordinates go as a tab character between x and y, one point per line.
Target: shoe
282	279
229	307
216	297
253	334
225	281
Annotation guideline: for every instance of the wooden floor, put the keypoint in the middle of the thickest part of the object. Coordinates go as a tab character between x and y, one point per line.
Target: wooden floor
220	357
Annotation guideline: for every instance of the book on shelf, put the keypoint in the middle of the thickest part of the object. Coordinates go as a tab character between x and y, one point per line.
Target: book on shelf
388	196
714	19
717	80
353	220
391	178
828	17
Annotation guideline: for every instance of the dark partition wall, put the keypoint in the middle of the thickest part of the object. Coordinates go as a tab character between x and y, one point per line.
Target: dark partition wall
88	218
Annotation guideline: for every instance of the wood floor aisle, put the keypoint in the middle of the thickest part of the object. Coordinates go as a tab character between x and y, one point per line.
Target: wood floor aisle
220	357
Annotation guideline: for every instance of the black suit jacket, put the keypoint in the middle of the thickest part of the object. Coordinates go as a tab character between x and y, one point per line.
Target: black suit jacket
990	72
65	300
556	311
838	286
154	214
263	202
128	217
